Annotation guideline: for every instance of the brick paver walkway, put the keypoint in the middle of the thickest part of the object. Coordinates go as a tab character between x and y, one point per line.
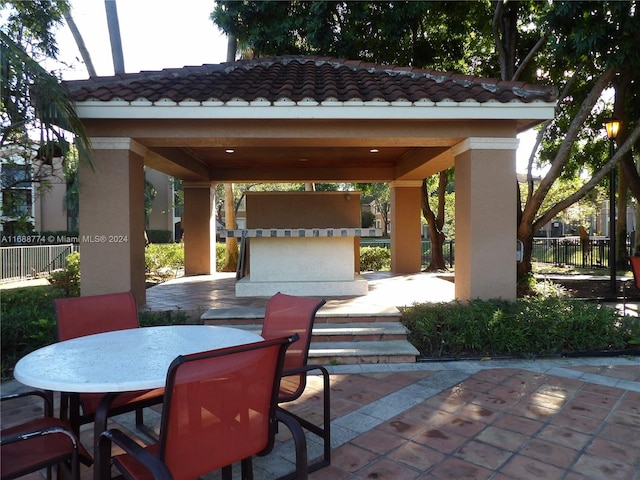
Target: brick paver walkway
569	419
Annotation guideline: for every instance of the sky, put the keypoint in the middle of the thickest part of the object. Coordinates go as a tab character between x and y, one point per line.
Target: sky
159	34
155	34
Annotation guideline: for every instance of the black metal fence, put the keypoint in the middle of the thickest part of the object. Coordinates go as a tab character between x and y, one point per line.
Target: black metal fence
571	251
448	248
557	251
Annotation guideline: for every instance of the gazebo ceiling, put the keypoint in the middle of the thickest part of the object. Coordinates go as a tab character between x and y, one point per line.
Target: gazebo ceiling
305	118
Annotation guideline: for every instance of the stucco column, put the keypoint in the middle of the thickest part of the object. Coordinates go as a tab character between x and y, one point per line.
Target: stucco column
405	226
112	219
199	226
485	248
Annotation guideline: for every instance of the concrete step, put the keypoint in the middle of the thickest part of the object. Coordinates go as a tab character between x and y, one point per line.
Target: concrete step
341	335
350	353
329	313
356	342
349	332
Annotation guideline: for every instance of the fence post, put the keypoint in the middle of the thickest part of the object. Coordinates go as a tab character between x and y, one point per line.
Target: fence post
22	263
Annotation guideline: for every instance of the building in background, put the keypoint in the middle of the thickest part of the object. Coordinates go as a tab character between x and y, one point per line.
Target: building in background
34	199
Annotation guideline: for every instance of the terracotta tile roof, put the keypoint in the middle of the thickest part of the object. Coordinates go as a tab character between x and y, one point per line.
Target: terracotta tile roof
304	78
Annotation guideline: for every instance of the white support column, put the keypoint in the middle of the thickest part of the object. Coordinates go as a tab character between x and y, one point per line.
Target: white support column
112	219
406	229
485	249
199	225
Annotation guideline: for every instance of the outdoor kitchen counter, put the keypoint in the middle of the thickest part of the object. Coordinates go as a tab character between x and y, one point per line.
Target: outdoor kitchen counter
302	261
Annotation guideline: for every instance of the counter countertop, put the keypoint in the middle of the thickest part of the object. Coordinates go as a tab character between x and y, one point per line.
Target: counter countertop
301	232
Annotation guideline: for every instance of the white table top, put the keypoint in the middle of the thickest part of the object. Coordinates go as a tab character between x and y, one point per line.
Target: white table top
120	361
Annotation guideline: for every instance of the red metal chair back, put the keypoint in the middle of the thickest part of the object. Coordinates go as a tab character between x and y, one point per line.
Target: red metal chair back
635	268
286	315
80	316
39	443
220	407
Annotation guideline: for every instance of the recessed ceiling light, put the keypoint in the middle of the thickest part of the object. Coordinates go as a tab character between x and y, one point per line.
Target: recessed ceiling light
230	150
373	150
303	159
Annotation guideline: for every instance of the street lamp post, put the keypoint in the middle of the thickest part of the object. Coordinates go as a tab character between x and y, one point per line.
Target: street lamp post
612	126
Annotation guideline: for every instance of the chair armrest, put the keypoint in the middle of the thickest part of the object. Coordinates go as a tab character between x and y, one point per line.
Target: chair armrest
152	463
46	396
26	435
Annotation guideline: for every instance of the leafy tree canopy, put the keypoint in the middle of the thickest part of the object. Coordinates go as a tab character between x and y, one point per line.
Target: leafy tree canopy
33	102
581	47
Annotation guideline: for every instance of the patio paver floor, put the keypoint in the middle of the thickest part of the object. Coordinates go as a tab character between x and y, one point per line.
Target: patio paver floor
555	419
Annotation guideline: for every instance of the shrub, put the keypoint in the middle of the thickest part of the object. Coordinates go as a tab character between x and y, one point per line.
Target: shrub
159	236
374	259
367	219
526	327
530	286
162	260
28	323
67	280
221	252
170	317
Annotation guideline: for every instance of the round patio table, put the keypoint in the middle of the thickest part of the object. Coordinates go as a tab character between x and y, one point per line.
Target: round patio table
122	360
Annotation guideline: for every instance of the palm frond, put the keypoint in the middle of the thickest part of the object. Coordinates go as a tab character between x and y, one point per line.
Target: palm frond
32	97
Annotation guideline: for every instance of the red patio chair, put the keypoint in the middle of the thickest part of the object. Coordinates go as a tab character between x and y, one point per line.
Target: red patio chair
40	443
81	316
220	408
635	269
286	315
634	261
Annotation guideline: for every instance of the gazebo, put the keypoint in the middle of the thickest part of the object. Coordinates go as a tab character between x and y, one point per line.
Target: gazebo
303	119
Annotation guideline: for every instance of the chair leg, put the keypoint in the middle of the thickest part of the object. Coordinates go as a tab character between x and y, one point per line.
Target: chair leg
300	443
323	432
247	469
139	417
326	437
74	412
227	473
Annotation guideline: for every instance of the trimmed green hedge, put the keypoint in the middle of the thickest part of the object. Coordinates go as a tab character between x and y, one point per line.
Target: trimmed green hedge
159	236
374	259
527	327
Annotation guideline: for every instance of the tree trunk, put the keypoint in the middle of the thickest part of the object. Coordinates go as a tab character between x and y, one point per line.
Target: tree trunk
435	224
635	247
505	35
114	34
231	244
530	216
628	178
84	53
525	235
383	208
621	223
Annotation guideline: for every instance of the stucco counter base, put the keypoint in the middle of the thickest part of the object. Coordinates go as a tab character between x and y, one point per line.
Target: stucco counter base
298	261
356	287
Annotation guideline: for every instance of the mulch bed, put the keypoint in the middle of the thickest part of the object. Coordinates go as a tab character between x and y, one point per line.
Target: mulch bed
598	289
